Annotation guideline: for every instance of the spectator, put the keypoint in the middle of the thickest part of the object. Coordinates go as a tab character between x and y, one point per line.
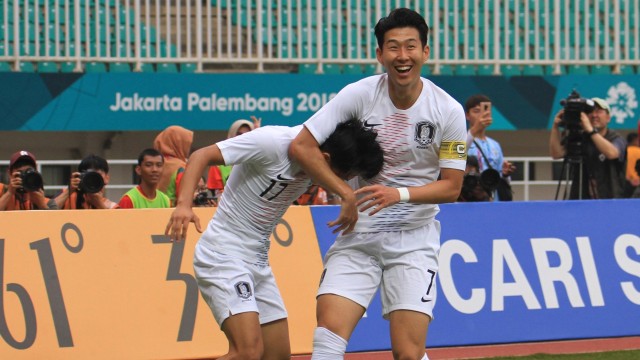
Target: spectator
231	258
218	175
147	194
395	243
87	186
25	190
202	197
632	188
316	195
174	143
598	150
487	150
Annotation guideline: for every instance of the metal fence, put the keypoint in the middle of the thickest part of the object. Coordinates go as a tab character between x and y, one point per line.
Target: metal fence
535	180
277	35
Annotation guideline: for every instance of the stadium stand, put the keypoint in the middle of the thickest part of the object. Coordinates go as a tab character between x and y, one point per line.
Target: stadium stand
469	37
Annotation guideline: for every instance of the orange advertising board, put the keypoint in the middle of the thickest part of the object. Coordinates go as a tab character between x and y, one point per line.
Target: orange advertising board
107	284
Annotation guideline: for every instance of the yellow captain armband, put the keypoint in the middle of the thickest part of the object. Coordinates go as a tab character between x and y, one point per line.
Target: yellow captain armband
453	150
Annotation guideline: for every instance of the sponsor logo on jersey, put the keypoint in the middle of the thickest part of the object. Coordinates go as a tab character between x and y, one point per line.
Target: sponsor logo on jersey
425	132
367	124
324	272
243	289
453	150
282	178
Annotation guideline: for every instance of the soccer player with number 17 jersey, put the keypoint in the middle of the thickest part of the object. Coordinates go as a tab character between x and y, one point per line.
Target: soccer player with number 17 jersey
231	261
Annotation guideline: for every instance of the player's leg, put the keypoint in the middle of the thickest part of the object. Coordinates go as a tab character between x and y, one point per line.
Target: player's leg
273	315
245	336
408	290
350	279
338	314
276	337
408	334
227	285
337	317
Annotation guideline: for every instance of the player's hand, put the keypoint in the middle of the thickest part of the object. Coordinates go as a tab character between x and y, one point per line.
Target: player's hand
179	223
377	197
348	217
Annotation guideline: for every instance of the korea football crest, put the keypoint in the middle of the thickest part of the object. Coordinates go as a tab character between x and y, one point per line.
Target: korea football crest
424	134
243	289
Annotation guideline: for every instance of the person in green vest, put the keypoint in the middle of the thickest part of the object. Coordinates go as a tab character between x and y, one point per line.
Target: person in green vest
146	194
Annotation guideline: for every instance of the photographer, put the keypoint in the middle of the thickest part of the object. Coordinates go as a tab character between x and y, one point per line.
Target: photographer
202	197
86	187
591	144
473	187
25	190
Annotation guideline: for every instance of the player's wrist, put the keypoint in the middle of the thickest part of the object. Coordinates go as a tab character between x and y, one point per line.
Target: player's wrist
404	194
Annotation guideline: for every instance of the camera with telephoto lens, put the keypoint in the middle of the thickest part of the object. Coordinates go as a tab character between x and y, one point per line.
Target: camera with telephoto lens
31	180
203	199
487	180
91	182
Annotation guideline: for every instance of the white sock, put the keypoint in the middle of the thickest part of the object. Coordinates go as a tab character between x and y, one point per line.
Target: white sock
425	357
327	345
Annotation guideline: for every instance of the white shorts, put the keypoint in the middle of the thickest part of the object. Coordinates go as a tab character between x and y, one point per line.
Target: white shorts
232	286
403	264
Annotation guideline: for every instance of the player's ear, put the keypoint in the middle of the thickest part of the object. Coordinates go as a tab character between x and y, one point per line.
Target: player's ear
327	157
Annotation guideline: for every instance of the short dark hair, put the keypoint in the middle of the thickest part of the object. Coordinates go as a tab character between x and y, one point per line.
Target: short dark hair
474	100
401	18
93	162
631	137
353	147
148	152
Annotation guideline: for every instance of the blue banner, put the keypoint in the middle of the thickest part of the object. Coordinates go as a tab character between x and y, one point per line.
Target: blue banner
149	101
525	271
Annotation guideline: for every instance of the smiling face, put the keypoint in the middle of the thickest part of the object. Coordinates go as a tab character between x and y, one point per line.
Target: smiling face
402	54
150	169
599	118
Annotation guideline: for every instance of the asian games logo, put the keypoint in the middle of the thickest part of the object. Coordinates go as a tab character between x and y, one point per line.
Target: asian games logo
623	102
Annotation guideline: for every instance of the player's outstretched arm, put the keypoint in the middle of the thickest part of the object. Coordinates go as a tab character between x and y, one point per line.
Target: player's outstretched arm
183	214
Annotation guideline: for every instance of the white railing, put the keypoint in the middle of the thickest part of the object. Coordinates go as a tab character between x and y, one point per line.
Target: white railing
542	187
224	34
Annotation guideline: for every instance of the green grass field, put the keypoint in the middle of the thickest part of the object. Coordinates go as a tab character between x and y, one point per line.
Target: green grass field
613	355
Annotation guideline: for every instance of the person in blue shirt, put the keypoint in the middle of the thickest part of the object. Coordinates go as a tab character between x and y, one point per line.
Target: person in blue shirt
477	109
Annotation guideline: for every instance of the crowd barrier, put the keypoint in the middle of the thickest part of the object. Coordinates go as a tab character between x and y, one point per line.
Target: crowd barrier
108	284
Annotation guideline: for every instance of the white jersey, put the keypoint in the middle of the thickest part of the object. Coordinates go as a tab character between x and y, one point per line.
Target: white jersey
260	189
417	142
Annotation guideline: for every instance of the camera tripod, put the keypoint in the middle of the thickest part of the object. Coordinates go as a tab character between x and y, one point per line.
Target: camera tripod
571	165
